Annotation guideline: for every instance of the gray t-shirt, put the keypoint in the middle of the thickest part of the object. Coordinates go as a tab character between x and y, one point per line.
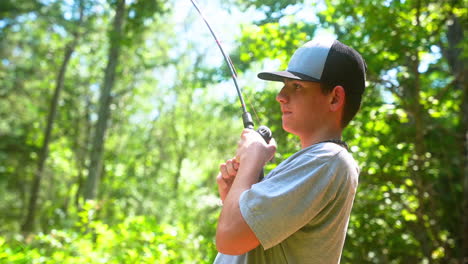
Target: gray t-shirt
300	210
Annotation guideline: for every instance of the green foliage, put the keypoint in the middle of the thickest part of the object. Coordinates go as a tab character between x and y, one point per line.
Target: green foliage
156	201
137	239
171	126
9	10
274	10
271	40
141	15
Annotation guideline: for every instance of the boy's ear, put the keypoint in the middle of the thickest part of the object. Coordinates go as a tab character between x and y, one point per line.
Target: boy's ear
338	96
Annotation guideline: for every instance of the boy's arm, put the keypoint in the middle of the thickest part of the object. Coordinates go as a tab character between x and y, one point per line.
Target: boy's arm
233	234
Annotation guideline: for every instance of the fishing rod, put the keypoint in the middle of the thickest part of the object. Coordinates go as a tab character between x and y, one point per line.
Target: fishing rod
264	131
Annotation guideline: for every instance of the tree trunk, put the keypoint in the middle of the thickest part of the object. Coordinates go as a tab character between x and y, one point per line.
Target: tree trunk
465	175
81	147
28	224
180	161
416	110
422	184
94	174
454	55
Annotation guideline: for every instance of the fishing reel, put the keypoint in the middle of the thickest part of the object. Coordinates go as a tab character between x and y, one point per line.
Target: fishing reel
264	131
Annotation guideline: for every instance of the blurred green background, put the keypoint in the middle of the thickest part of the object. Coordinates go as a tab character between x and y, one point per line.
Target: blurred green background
115	115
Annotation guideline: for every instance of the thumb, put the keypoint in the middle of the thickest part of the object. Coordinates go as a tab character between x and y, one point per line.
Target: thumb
272	144
272	148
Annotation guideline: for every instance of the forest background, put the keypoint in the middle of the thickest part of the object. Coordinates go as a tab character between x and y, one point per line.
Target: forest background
115	115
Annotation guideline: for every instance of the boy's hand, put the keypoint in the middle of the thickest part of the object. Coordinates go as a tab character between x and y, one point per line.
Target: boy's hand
227	173
252	147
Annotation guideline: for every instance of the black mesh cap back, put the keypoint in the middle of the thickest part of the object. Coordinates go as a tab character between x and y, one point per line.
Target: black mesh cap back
345	66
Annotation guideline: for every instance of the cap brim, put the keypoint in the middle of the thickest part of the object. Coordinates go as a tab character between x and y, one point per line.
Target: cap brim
280	75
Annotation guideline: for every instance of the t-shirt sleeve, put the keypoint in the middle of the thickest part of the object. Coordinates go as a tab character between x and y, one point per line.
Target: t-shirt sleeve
290	198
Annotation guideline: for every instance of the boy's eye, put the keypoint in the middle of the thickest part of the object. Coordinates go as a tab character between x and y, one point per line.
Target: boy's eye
297	86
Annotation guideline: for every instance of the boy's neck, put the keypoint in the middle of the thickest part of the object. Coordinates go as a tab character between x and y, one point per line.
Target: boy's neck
310	140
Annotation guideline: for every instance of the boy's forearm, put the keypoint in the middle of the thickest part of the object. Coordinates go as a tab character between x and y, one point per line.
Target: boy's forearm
233	235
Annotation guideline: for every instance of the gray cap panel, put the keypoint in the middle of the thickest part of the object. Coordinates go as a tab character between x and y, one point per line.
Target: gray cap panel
315	51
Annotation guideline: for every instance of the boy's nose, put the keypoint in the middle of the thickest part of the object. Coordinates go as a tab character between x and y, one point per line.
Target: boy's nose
281	97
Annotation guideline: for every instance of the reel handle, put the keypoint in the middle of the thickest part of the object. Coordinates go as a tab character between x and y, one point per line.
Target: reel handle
265	132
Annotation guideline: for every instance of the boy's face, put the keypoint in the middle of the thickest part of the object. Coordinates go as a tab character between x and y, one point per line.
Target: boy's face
305	108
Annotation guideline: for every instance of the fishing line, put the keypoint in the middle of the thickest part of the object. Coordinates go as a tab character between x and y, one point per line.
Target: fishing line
264	131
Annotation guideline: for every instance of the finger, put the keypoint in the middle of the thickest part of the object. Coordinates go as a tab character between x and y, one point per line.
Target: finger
235	164
237	157
272	148
227	173
244	136
221	182
246	131
230	168
223	171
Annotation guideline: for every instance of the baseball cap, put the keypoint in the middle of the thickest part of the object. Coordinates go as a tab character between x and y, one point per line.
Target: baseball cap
325	60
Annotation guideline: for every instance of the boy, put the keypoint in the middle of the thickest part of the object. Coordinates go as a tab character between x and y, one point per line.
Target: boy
299	212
